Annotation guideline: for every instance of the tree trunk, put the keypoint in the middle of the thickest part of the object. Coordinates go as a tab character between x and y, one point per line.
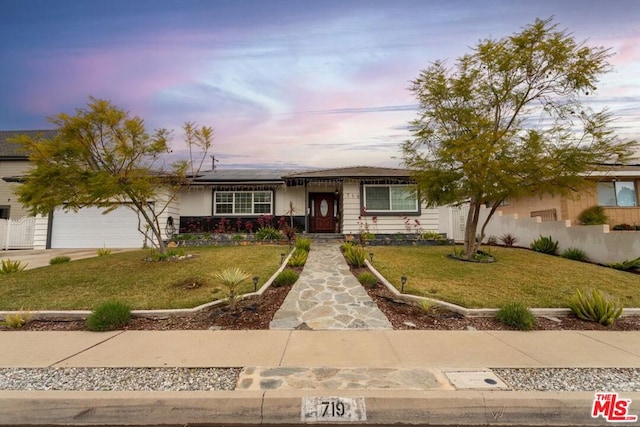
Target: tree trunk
470	244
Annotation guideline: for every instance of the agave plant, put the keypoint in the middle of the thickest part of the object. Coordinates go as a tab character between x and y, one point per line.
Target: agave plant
232	278
595	307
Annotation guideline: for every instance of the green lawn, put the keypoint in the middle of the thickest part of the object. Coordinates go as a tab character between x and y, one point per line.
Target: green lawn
534	279
125	276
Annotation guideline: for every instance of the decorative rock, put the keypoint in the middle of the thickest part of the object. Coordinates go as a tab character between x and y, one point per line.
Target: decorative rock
409	324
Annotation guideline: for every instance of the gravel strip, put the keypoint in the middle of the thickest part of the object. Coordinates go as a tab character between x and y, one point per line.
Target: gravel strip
119	379
571	379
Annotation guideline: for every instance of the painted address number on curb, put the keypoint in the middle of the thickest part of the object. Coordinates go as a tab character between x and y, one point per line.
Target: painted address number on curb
332	409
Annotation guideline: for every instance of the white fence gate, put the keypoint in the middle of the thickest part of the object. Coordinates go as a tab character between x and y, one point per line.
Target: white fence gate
17	233
459	221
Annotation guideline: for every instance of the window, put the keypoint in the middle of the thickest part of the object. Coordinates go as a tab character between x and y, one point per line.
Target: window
4	212
617	193
390	198
242	203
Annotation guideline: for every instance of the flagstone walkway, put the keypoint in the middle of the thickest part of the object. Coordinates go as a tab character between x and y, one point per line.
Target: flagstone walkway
328	296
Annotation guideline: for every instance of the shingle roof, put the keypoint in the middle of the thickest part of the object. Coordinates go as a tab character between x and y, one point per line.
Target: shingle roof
243	175
353	172
11	150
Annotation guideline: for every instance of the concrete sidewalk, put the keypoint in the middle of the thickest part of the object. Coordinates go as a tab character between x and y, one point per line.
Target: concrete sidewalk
438	352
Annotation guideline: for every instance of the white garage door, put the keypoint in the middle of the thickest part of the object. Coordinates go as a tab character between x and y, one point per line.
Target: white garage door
89	228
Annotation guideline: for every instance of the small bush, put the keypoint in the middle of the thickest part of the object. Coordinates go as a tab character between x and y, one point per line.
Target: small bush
517	315
237	238
434	235
593	216
624	227
9	266
59	260
425	305
492	240
232	278
304	244
109	316
626	265
298	258
104	252
285	278
268	233
169	254
508	239
355	255
367	279
595	307
574	254
545	245
16	320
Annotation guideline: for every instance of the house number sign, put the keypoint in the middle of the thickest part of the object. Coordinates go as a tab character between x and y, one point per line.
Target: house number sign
333	409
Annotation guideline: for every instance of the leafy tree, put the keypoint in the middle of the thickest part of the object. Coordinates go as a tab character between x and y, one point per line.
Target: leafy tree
101	157
509	121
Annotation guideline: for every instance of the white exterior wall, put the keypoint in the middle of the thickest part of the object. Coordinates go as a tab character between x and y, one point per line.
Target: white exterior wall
7	195
385	224
40	234
196	201
285	195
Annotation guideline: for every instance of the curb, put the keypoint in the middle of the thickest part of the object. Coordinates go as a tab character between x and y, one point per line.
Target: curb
472	408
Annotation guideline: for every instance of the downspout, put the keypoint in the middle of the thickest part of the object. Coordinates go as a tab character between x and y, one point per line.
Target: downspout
49	230
306	207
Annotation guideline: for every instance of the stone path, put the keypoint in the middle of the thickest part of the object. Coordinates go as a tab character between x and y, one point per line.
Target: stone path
328	296
297	378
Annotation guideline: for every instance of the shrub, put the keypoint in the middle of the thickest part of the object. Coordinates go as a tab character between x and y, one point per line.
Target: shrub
593	216
425	305
626	265
237	237
9	266
232	278
492	240
298	258
574	254
16	320
285	278
517	315
626	227
545	245
169	254
304	244
595	307
367	279
355	255
59	260
104	252
508	239
108	316
434	235
268	233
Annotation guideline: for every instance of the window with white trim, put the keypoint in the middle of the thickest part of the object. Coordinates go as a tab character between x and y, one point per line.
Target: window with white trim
243	203
617	193
389	198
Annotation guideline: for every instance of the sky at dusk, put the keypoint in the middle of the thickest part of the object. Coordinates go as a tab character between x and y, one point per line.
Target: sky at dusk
285	84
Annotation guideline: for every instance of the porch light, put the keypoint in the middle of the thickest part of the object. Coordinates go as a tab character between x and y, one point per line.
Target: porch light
371	256
403	279
255	283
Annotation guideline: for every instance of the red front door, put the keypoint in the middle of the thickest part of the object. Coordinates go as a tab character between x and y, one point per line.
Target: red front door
322	219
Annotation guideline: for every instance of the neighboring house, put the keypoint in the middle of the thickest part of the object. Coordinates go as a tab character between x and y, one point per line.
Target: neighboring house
14	162
614	187
342	200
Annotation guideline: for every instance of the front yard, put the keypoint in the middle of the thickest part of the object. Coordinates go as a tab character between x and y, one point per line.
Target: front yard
520	275
82	284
